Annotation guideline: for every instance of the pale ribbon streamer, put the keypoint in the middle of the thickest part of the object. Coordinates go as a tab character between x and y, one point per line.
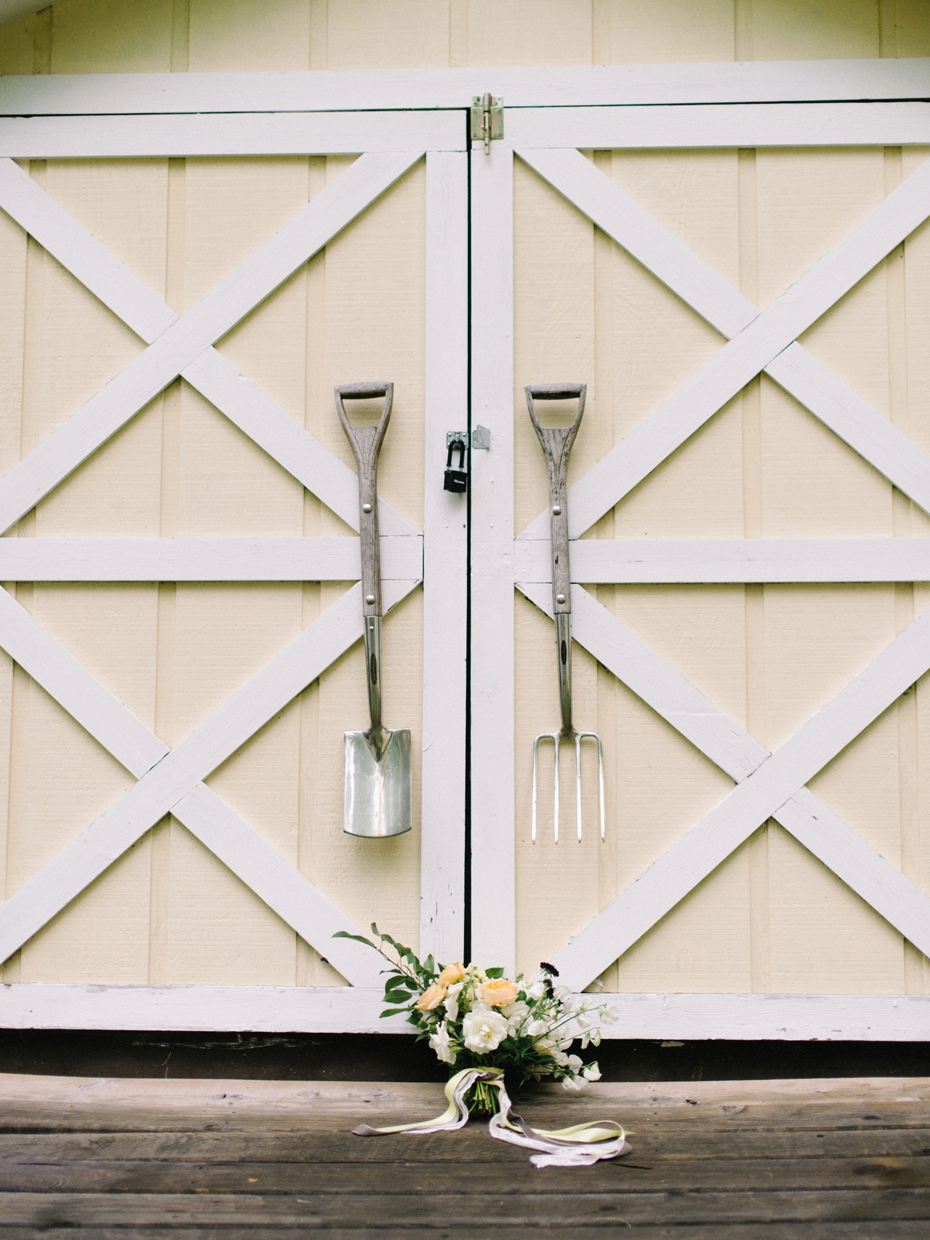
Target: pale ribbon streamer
561	1147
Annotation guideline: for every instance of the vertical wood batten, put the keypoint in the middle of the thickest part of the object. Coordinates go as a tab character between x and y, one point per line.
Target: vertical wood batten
492	633
902	520
169	508
751	401
612	703
311	966
442	847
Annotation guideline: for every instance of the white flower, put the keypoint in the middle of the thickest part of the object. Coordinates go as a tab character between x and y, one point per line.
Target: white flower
451	1002
575	1062
440	1042
574	1084
536	991
484	1029
516	1014
562	993
591	1073
537	1027
610	1015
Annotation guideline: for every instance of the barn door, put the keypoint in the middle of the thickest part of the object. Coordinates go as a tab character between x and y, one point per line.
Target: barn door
181	618
744	291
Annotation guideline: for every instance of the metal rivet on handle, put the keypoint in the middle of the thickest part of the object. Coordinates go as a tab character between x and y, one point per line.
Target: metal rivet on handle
369	598
366	507
560	598
557	511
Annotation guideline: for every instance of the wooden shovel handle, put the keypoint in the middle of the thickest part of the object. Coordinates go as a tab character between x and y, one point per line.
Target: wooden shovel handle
557	446
366	442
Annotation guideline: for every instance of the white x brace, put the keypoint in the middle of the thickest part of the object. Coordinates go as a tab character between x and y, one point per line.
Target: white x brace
768	785
171	781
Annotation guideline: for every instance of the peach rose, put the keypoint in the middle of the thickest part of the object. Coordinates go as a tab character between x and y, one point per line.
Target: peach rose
498	992
431	998
451	973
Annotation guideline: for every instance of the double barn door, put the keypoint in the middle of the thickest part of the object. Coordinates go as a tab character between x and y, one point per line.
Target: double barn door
740	284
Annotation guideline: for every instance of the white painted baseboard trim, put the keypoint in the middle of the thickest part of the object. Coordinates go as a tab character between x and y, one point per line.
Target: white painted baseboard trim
792	1018
295	1009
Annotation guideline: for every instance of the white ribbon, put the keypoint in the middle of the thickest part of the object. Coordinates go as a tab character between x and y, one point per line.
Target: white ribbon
580	1145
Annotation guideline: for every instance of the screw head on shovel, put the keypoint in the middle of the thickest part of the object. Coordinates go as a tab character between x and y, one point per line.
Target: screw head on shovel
377	784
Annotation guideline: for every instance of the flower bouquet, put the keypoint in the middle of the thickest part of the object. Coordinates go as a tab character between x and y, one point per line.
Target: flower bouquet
477	1018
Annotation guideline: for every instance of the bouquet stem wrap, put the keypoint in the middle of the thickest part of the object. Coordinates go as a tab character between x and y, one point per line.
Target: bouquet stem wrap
580	1145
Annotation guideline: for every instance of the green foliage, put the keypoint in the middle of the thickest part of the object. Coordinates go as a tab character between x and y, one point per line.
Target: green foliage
527	1038
406	978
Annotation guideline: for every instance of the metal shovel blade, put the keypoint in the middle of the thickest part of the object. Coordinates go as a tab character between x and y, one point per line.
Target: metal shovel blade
377	784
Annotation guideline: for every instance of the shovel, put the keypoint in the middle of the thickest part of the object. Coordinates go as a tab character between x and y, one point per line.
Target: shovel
377	762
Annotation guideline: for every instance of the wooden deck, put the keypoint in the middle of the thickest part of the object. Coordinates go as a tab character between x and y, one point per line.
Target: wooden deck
110	1158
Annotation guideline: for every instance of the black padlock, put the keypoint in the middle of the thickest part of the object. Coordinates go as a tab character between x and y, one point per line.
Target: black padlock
456	479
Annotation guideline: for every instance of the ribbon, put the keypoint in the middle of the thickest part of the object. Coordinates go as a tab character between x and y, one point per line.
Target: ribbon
580	1145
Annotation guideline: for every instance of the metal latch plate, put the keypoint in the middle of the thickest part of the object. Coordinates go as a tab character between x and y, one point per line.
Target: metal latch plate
480	437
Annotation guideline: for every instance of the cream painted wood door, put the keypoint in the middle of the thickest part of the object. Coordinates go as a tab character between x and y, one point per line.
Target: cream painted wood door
744	291
179	620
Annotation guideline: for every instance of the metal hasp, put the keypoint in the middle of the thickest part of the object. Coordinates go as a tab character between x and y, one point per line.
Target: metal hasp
377	762
480	437
557	445
486	117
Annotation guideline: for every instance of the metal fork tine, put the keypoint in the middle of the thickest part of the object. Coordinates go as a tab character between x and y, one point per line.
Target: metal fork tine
557	737
535	773
578	783
600	777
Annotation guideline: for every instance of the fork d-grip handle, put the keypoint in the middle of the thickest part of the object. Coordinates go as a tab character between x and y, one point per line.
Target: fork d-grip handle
557	447
366	442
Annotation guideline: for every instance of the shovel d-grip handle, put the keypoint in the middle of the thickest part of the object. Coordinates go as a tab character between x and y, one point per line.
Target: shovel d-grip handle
366	442
557	445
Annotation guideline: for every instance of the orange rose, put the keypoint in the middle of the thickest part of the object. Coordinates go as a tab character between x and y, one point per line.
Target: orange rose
451	974
498	992
431	998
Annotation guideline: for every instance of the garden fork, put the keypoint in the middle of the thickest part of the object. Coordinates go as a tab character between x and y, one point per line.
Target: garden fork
557	446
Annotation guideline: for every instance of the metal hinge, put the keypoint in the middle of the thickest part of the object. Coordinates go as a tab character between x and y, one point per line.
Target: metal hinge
487	119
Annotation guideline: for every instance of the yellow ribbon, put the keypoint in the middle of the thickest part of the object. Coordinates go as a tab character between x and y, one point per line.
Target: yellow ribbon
559	1146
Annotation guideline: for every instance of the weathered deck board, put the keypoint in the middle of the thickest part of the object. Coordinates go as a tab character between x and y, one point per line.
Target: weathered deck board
303	1147
244	1159
903	1229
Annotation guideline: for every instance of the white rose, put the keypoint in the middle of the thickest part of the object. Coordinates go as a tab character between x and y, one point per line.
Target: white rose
440	1042
574	1084
591	1073
536	991
516	1014
484	1029
451	1003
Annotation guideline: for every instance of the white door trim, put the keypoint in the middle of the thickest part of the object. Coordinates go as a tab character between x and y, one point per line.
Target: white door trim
173	780
346	90
767	785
